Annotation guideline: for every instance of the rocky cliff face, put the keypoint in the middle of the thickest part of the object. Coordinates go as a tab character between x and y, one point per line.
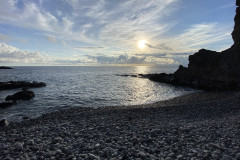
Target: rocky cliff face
210	70
213	70
236	31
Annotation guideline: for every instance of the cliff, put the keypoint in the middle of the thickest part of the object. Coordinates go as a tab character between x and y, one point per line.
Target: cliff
210	70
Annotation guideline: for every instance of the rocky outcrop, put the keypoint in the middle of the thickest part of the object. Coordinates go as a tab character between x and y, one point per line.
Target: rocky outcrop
3	67
22	95
210	70
236	31
20	84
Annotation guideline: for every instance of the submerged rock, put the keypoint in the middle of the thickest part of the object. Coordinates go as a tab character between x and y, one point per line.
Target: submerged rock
7	104
20	84
22	95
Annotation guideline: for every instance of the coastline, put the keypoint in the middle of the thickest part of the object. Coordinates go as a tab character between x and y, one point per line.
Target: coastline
201	125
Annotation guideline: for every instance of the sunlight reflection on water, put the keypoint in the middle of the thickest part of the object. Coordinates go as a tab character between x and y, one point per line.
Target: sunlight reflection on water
85	87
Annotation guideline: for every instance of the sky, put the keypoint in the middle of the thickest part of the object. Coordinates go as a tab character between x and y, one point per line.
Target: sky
93	32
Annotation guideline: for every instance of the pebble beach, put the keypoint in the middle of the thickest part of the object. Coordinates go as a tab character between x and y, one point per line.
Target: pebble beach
202	125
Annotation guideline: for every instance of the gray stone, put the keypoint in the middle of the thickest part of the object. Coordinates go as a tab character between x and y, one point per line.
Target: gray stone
18	146
93	157
180	156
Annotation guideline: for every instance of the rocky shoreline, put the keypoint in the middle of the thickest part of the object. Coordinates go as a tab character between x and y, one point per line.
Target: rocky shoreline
203	125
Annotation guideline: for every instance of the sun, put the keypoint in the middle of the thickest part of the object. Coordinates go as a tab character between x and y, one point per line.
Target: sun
142	44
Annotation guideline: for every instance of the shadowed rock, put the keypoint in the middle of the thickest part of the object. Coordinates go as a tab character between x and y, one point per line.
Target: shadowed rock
4	123
22	95
20	84
3	67
236	31
7	104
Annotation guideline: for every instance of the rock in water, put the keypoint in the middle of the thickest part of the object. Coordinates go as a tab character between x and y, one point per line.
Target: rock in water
22	95
3	67
7	104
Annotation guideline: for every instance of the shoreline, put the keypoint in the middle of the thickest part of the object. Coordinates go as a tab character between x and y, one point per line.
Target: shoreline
201	125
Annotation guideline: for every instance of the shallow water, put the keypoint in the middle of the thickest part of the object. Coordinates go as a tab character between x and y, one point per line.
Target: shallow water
84	86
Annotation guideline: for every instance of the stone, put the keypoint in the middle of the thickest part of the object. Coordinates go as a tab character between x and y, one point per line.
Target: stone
93	157
4	123
20	84
18	146
30	142
180	156
7	104
58	140
22	95
142	154
3	67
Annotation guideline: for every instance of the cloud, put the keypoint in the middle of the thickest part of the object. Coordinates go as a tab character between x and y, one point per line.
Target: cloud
10	54
159	47
90	47
51	39
121	59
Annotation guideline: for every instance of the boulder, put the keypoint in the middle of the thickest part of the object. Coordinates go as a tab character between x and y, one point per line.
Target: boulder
22	95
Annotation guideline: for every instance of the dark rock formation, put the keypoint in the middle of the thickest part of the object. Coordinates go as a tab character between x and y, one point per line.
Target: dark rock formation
210	70
236	31
22	95
3	67
20	84
7	104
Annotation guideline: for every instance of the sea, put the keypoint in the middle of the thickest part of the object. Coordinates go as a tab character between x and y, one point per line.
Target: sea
85	86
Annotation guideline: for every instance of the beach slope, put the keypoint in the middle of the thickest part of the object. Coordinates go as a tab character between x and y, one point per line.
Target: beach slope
204	125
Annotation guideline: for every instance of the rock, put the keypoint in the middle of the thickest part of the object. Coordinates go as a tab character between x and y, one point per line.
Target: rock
180	156
3	67
22	95
142	154
236	31
7	104
93	157
237	156
209	70
18	146
30	142
58	140
20	84
4	123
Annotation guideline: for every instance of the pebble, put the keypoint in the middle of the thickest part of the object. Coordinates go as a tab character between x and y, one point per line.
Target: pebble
18	146
203	130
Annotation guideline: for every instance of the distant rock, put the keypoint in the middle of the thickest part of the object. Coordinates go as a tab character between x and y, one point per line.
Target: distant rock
22	95
20	84
3	67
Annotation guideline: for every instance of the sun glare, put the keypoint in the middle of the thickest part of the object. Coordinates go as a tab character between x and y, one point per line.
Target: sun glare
141	44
